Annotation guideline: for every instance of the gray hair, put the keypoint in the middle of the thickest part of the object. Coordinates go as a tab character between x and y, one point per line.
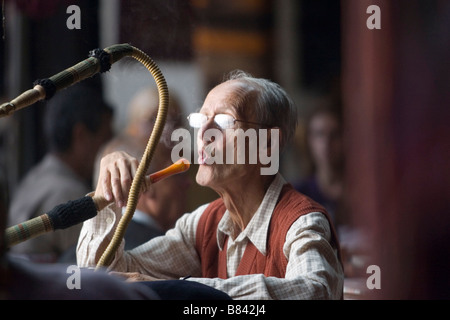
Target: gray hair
273	106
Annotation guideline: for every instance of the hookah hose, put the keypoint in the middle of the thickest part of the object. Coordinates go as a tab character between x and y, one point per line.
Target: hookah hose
101	61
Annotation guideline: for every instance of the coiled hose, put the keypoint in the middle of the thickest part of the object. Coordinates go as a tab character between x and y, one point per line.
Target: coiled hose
101	61
108	255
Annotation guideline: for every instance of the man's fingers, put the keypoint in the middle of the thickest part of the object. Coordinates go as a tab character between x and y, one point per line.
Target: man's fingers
116	186
106	186
117	171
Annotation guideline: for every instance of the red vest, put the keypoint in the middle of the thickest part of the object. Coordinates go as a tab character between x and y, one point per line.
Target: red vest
290	206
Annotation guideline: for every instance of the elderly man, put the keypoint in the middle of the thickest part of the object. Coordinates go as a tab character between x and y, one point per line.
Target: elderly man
260	240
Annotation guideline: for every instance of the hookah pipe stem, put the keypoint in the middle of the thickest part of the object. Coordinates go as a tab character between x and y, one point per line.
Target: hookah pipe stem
99	61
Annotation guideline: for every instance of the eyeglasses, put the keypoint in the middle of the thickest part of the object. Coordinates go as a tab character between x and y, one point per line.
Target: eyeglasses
223	121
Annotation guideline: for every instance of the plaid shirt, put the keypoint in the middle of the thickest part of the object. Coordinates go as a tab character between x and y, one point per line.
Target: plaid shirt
313	270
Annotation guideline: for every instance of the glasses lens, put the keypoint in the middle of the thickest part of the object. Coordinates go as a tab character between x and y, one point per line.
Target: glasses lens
224	121
197	120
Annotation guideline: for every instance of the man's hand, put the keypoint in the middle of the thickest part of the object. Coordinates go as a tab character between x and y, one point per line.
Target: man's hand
133	276
116	175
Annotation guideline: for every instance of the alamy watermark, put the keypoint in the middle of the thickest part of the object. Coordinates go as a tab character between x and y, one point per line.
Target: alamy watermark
373	281
374	20
74	280
74	20
230	146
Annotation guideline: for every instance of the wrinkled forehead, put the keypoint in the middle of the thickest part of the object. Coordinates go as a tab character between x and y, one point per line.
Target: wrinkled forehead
232	96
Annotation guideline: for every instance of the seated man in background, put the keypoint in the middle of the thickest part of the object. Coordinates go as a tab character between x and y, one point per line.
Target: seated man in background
77	124
142	111
157	209
260	240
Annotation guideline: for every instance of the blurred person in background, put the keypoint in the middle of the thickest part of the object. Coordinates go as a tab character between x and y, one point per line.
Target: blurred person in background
159	205
157	209
325	183
142	112
77	123
324	151
141	115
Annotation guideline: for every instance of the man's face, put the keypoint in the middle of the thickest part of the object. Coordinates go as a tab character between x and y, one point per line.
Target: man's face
213	140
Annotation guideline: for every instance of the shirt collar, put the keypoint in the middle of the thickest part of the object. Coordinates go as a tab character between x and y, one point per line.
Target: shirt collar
257	228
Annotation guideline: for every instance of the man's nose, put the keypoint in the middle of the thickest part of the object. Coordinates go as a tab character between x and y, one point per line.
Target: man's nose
209	124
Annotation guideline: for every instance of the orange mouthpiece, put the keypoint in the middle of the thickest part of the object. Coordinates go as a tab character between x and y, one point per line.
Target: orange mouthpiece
181	165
